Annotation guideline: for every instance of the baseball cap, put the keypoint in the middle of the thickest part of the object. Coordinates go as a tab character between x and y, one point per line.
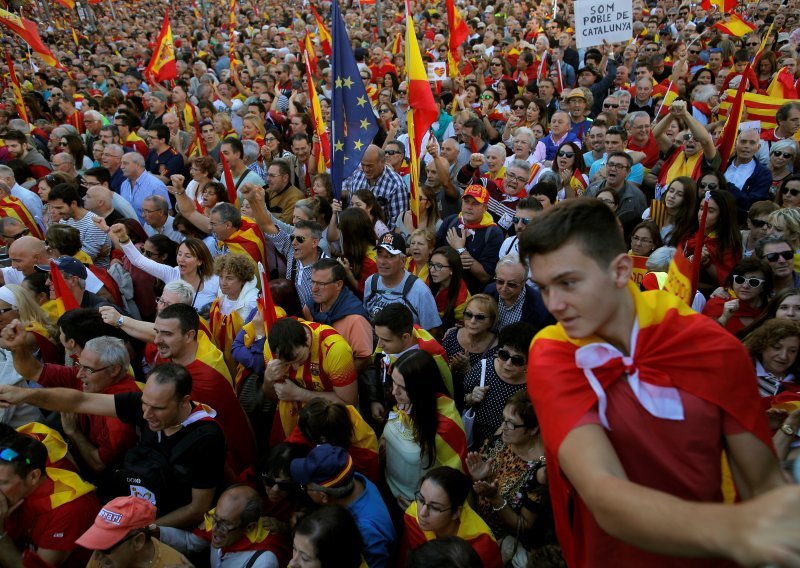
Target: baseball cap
589	69
576	94
67	265
159	95
477	192
115	520
325	465
392	243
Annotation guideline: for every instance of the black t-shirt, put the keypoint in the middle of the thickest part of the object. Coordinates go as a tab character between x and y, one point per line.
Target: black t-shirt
203	462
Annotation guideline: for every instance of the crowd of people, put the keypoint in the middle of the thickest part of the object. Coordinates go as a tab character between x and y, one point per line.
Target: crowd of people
212	356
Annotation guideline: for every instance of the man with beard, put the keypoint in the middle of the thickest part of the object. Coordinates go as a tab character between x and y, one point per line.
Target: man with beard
19	148
632	201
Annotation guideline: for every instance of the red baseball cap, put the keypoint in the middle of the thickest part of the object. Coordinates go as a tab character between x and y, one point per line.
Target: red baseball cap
114	521
477	192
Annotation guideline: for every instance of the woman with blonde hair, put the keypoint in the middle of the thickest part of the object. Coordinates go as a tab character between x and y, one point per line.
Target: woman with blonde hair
253	129
18	303
786	223
223	126
421	243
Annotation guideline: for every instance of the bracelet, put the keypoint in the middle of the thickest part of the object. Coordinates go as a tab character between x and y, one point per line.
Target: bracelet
501	507
124	242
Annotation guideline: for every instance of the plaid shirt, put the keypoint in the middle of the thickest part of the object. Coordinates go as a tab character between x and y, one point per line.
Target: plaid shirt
389	189
300	274
505	315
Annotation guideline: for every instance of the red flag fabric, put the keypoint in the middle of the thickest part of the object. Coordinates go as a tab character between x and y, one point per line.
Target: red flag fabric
320	128
266	304
783	85
65	300
26	29
198	146
322	31
734	26
698	246
727	140
70	4
457	27
18	102
228	177
397	43
163	66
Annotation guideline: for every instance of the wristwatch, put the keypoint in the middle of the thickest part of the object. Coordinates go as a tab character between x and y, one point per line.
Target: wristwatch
120	321
788	430
460	250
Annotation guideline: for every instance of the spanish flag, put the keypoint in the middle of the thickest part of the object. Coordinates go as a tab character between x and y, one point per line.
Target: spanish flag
312	63
471	528
458	29
65	301
70	4
727	140
198	145
723	6
26	29
679	277
322	32
782	85
233	195
196	11
18	101
665	359
734	26
232	36
162	66
577	183
223	330
397	44
320	128
758	107
266	305
422	108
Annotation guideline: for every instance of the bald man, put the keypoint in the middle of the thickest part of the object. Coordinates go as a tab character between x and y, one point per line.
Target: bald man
100	201
25	253
386	184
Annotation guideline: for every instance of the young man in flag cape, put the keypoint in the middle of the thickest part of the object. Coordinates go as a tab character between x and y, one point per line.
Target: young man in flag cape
637	397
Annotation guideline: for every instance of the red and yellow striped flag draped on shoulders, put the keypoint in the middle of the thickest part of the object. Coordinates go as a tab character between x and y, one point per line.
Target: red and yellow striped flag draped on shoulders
249	240
19	103
12	207
665	357
471	528
163	66
422	109
257	538
224	329
451	441
330	364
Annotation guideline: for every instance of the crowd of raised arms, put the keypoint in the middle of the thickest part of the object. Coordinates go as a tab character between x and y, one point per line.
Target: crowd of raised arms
216	352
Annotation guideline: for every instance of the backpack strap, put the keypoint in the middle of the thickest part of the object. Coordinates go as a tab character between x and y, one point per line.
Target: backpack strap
253	558
410	281
373	289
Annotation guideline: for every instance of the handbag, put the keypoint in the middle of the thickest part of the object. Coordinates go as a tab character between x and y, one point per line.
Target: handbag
468	417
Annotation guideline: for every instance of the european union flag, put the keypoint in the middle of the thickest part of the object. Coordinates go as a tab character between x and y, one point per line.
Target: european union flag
353	122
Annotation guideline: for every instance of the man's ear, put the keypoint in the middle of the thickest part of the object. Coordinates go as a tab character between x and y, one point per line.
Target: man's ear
620	270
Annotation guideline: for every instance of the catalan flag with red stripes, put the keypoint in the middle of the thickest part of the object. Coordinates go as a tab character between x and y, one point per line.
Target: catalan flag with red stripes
757	107
665	357
65	300
12	207
451	441
26	29
198	145
471	528
658	212
322	32
248	239
224	329
397	44
18	101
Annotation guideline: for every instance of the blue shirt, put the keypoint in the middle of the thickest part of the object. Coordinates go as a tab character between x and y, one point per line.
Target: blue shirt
145	186
636	176
374	524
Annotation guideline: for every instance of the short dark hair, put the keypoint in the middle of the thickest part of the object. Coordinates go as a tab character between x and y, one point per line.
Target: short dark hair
530	203
324	420
285	336
32	455
235	144
83	324
162	132
588	222
518	336
67	193
302	136
15	136
337	270
445	552
456	484
397	317
476	126
102	174
621	154
173	374
547	189
185	314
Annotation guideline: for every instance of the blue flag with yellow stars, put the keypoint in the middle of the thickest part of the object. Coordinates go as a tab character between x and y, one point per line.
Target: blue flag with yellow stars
353	122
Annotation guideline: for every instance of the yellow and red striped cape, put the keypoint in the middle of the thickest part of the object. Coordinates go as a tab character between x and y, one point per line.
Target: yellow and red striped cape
666	355
330	363
471	528
678	165
451	441
223	332
461	301
249	240
258	538
12	207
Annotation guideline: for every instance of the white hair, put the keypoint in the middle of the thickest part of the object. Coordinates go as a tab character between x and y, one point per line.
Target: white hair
659	259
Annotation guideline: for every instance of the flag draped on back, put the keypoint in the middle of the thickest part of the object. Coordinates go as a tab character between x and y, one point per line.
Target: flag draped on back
782	85
734	26
422	110
18	102
353	123
163	66
26	29
759	107
322	32
12	207
320	129
65	301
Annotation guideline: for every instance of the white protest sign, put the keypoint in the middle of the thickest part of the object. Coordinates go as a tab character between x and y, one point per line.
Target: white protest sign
437	71
610	20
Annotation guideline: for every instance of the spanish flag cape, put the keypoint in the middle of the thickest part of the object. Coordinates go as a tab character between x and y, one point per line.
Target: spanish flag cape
471	528
330	363
724	263
485	222
363	446
422	272
666	355
426	342
224	330
257	538
50	350
461	301
451	441
63	483
12	207
369	266
249	240
678	165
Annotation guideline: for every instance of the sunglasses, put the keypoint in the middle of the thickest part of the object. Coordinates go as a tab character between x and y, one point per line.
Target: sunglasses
272	482
487	97
563	154
476	317
758	223
610	105
752	282
392	152
792	192
752	44
519	107
299	239
774	256
780	154
516	360
709	186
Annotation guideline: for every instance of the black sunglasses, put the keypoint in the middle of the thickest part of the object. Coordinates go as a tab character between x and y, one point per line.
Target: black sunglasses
793	192
299	239
272	482
563	154
516	360
780	154
709	186
476	317
758	223
522	220
774	256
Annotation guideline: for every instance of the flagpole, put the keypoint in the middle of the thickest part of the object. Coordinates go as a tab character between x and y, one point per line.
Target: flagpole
113	13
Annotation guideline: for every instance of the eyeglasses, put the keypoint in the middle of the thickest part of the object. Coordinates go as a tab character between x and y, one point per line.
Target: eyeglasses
299	239
321	284
476	317
89	370
516	360
752	44
523	220
270	139
384	110
694	51
432	507
780	154
688	136
150	253
616	166
791	191
563	154
643	240
487	97
437	266
752	282
774	256
519	107
161	302
507	283
758	223
496	64
402	92
515	177
506	424
272	482
708	186
10	456
610	105
224	526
